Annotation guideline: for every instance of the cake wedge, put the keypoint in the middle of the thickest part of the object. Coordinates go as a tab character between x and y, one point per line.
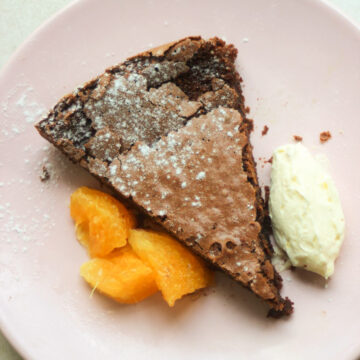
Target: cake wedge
167	131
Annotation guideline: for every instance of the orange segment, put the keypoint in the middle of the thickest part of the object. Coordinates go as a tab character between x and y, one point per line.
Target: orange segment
177	270
121	275
102	222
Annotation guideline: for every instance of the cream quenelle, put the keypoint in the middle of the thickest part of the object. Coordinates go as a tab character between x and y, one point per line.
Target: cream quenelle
305	210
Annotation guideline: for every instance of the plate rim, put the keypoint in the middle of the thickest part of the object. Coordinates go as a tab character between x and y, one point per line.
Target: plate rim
20	346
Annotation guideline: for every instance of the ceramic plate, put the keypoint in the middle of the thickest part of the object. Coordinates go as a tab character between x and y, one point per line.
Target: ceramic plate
300	65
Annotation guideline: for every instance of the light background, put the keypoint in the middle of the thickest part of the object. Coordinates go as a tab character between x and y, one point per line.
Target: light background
19	18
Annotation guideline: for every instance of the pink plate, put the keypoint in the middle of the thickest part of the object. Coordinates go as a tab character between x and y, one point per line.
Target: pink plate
300	61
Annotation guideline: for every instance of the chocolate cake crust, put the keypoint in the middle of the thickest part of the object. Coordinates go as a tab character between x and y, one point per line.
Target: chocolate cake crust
167	130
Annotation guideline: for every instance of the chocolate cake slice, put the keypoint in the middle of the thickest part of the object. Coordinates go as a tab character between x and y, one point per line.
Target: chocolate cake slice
167	131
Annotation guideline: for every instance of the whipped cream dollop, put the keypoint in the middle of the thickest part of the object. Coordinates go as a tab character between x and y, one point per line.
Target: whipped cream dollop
305	210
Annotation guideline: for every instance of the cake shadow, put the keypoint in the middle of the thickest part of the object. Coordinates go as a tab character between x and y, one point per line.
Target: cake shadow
152	319
310	278
62	170
241	299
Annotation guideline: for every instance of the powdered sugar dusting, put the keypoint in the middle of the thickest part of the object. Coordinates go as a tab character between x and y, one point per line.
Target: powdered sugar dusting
21	99
19	229
25	227
201	175
127	107
31	109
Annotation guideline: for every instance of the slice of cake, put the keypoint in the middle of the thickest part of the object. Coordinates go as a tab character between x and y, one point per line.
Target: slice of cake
167	130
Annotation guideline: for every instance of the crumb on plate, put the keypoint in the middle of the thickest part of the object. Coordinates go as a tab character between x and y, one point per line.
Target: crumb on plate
325	136
265	130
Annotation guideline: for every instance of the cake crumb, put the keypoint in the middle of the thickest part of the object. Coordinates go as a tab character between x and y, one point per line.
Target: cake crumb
250	124
298	138
45	174
265	130
269	161
247	109
325	136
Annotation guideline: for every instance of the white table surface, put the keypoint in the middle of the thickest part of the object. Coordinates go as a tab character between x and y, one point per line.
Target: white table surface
19	18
